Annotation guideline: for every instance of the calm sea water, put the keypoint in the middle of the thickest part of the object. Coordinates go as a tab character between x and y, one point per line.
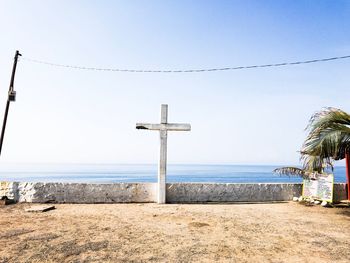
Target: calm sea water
112	173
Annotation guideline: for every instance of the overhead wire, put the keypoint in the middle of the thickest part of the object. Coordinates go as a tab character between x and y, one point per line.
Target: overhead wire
185	70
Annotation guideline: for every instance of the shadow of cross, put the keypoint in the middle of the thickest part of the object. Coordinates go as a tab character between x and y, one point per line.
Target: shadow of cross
163	127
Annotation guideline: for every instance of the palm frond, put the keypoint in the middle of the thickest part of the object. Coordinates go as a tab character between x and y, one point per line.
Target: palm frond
328	139
327	143
317	164
328	116
291	171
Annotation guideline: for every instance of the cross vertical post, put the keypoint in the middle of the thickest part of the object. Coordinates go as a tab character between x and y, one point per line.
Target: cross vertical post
163	129
163	156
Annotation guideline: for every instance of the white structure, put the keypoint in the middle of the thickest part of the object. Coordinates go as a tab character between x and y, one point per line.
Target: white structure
163	129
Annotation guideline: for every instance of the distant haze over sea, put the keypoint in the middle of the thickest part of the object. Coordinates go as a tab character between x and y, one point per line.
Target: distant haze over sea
114	173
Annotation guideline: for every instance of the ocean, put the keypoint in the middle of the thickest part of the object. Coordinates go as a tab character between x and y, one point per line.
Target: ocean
114	173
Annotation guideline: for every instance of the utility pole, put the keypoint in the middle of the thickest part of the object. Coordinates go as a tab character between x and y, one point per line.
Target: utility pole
11	97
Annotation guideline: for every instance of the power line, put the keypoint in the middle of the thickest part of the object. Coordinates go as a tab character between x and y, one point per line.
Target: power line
185	70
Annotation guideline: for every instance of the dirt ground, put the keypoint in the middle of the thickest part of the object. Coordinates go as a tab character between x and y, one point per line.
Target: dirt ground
283	232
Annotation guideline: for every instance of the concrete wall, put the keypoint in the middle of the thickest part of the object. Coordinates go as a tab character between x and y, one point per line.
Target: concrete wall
253	192
212	192
8	189
79	193
146	192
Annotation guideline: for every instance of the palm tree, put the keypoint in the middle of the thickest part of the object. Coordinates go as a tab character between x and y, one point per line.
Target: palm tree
328	140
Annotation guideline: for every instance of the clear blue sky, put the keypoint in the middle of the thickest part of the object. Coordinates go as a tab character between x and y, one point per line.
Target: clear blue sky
254	116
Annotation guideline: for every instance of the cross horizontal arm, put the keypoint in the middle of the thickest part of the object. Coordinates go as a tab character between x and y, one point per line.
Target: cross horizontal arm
147	126
164	127
177	126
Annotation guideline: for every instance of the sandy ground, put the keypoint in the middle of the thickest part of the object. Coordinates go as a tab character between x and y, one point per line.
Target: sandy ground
284	232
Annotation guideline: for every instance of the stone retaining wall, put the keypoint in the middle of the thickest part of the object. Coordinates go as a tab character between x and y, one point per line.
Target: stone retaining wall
211	192
146	192
79	193
253	192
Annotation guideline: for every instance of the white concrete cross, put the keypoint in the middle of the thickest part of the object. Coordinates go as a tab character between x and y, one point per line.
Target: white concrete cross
163	129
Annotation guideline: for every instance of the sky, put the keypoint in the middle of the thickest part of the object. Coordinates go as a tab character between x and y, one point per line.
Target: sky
255	116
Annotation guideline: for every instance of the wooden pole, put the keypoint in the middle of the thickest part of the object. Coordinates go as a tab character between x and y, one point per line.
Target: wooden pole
11	97
347	164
